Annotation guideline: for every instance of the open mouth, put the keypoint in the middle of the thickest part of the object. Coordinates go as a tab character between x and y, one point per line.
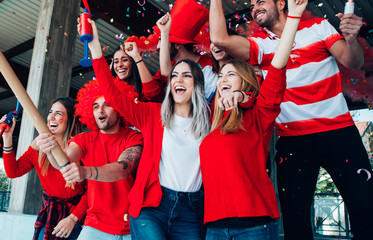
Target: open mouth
121	71
179	89
52	126
259	14
218	50
225	88
102	118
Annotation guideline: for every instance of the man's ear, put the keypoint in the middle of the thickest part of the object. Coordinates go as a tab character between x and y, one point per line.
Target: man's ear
177	46
281	5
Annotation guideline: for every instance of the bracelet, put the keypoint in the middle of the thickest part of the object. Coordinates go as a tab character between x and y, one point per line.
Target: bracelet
243	95
139	61
90	169
72	219
8	151
293	17
11	146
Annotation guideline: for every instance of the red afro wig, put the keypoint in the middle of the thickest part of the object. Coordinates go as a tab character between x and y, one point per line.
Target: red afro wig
88	95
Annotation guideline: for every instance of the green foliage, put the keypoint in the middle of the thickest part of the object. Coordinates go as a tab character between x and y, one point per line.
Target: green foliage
325	184
4	181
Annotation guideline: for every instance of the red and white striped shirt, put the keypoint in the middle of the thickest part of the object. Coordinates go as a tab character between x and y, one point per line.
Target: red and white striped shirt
313	100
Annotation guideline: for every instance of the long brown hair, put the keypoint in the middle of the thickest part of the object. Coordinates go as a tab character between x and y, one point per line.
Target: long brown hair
73	128
233	122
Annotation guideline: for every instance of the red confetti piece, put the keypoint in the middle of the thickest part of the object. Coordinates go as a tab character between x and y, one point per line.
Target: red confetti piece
42	27
66	34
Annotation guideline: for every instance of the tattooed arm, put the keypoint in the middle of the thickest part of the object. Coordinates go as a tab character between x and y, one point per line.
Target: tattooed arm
111	172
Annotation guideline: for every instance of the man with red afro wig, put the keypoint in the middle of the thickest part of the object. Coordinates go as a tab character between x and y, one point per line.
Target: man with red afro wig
110	154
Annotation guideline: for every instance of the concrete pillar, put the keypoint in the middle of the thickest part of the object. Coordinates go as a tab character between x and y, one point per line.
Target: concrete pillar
49	78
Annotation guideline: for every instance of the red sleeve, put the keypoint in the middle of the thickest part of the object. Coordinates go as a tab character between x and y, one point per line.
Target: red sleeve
250	102
133	111
81	208
16	168
270	97
133	138
153	91
80	141
254	52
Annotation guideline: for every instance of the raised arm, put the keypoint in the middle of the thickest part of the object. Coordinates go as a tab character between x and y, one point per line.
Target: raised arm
111	172
164	25
14	168
349	51
296	9
131	49
219	35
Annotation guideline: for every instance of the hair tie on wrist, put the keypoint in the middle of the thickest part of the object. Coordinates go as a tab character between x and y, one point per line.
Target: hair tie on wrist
139	61
72	219
243	95
293	17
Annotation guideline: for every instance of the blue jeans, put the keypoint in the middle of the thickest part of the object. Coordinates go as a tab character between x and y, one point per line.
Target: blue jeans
178	216
90	233
73	235
262	232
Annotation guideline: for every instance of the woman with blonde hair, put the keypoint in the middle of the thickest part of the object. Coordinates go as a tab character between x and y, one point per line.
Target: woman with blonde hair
240	201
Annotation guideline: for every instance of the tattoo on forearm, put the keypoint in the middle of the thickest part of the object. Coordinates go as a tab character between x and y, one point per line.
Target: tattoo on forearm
130	156
96	174
124	163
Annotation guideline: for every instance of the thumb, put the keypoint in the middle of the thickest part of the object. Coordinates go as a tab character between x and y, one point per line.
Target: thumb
340	15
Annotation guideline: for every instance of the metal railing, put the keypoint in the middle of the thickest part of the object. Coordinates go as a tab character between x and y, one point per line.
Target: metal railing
4	200
330	217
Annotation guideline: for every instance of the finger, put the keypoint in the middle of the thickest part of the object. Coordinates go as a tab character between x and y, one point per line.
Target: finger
220	103
235	100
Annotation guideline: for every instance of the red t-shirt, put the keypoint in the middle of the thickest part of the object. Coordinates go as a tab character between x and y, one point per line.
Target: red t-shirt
107	202
52	182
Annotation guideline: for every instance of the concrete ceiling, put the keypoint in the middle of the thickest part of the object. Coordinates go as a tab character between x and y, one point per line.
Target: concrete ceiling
18	21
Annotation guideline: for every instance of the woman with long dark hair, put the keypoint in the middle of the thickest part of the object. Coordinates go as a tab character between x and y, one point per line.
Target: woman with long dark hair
128	65
57	217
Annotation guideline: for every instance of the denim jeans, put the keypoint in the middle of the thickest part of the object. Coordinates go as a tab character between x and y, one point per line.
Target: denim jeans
178	216
262	232
90	233
73	235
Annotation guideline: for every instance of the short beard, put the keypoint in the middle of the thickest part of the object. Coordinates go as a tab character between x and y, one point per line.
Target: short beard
273	17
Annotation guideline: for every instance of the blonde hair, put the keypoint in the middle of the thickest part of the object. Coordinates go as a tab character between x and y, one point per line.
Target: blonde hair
234	121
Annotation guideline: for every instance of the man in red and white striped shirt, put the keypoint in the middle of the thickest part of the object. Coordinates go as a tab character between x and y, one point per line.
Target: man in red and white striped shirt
315	126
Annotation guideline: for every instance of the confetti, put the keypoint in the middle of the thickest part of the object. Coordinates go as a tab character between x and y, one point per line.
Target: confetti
141	4
104	48
368	173
66	34
136	101
42	27
112	20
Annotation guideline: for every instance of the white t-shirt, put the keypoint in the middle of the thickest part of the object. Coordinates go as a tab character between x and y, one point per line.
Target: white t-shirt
179	167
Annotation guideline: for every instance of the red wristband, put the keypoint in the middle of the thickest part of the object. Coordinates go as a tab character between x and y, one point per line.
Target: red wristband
293	17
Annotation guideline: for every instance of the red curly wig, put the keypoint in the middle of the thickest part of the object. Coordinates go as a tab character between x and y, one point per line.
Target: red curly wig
88	94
